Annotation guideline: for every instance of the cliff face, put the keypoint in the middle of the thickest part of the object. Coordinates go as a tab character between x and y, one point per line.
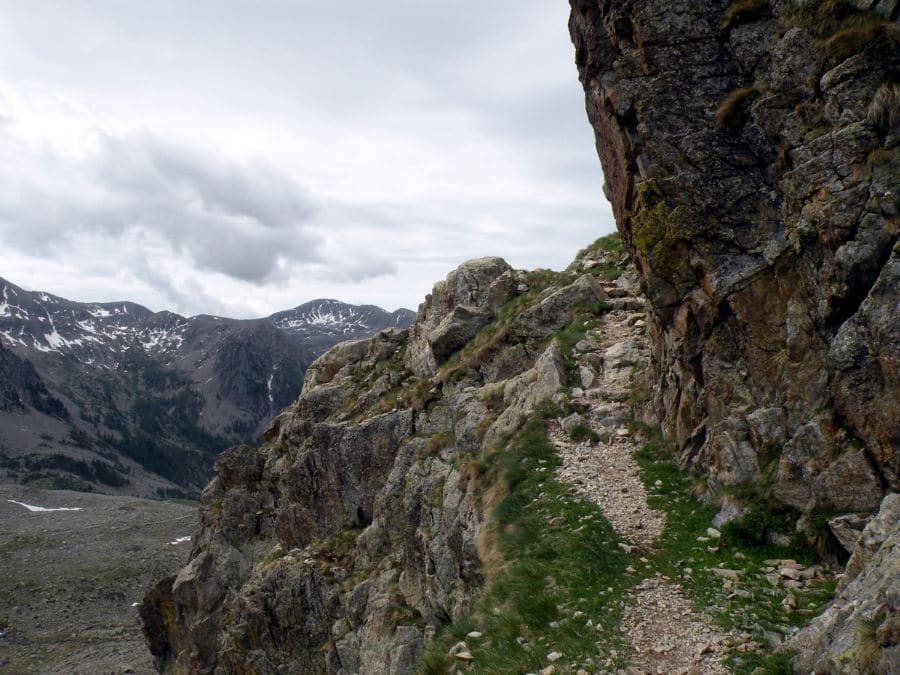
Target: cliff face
353	533
750	154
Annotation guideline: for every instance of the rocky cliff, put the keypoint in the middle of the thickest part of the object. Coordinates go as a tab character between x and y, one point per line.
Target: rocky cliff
750	155
346	540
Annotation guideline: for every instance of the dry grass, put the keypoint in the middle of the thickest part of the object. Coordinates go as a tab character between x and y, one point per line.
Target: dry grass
733	110
486	543
884	110
819	17
744	11
867	34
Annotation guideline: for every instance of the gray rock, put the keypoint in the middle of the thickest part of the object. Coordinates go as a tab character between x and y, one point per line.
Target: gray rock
455	330
759	219
858	632
555	311
848	529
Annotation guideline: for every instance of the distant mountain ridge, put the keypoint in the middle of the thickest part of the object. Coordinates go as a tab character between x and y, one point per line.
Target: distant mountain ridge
143	399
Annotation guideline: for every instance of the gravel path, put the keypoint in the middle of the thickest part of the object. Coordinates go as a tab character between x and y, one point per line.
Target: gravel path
667	636
665	633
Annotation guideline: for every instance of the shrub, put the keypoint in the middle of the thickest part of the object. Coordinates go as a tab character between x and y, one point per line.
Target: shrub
582	432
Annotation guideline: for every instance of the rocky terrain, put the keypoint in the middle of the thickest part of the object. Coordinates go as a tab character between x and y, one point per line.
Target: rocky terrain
404	511
657	468
750	155
112	397
678	455
73	573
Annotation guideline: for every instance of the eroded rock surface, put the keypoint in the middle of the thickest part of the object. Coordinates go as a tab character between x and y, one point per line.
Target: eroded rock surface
860	631
352	534
751	161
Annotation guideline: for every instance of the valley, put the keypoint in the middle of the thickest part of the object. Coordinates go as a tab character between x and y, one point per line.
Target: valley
72	578
114	398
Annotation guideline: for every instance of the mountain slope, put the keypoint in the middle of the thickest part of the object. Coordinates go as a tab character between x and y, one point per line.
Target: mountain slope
114	397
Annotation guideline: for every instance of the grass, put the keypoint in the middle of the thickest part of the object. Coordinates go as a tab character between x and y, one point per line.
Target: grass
884	112
582	432
581	578
734	109
873	35
818	17
758	605
842	28
607	252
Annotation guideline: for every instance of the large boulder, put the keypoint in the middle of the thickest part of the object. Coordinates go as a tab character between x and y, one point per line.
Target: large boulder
453	313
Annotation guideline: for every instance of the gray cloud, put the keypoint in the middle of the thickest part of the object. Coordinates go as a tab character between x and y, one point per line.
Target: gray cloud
242	220
400	138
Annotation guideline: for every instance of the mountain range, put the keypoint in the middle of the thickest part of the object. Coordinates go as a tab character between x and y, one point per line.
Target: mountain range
114	397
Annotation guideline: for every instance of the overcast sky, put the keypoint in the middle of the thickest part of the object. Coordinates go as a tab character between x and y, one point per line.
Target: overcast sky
242	157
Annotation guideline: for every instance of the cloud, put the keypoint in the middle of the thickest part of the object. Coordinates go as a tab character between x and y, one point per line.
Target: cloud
244	220
399	138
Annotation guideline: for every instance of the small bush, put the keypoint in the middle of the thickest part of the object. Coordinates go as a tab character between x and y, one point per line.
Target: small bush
866	649
582	432
884	110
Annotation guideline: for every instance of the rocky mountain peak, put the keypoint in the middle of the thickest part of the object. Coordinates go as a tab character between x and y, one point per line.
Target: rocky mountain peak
152	396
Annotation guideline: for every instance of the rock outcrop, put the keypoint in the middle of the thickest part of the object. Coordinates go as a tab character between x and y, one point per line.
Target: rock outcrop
750	155
352	534
860	631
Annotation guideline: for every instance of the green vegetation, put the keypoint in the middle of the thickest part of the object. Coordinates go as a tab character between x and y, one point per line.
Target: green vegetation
553	590
583	580
750	604
582	432
94	471
339	548
607	252
164	423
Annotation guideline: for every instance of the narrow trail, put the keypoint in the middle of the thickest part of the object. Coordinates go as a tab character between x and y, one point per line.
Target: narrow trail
666	635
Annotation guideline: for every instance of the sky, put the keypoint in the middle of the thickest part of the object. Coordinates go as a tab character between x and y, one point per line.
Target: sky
240	157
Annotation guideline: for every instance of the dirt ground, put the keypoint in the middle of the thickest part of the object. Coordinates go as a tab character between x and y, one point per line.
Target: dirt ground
71	579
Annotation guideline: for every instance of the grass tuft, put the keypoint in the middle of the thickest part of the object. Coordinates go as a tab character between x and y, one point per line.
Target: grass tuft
734	110
884	110
745	11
